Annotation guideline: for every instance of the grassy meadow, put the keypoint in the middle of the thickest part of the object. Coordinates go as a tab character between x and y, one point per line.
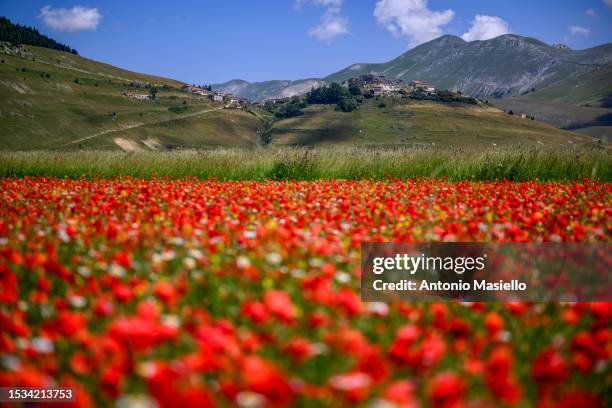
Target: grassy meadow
64	115
57	100
512	163
54	100
418	123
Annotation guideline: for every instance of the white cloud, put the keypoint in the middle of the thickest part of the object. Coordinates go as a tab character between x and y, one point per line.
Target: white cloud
485	28
412	19
590	12
331	24
74	19
578	30
608	3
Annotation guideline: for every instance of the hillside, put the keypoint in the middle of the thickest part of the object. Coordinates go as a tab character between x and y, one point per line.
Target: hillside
593	89
54	99
58	100
562	87
580	104
418	123
504	66
592	121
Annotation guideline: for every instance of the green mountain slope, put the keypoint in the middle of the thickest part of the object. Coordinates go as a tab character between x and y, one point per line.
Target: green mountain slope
531	77
57	100
53	99
418	123
593	89
503	66
580	104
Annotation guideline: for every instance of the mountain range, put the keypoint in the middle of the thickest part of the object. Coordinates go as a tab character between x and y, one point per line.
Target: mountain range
505	66
58	100
258	91
55	99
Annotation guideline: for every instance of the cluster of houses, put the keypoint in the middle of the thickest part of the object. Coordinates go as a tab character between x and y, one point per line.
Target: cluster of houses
230	100
380	85
521	115
423	86
139	96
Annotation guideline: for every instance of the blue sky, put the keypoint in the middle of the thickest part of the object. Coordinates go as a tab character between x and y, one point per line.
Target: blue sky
215	41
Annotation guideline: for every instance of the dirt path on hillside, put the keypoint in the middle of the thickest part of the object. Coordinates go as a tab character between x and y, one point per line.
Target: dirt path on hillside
139	124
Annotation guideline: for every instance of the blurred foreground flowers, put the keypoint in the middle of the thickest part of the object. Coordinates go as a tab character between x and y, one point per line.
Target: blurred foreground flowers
202	293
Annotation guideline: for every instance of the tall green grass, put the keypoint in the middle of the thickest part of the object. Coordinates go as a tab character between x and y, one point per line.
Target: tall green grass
305	164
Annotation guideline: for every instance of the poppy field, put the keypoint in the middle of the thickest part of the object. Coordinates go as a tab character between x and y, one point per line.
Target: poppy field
181	292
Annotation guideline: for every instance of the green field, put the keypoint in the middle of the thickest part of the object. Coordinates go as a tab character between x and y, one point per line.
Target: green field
591	121
418	123
57	100
578	104
508	162
218	128
593	89
54	100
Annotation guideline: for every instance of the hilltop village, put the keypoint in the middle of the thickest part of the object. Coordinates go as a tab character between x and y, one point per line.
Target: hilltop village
347	96
380	85
370	85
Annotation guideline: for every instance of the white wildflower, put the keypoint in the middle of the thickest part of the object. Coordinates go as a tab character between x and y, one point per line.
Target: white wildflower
77	301
168	255
178	241
316	262
249	399
347	382
22	343
171	321
136	401
273	258
342	277
147	369
378	308
504	336
156	259
116	270
63	236
42	345
84	271
189	263
243	262
319	348
10	362
196	253
46	311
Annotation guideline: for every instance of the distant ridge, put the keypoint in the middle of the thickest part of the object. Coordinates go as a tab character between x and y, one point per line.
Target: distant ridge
506	66
258	91
19	34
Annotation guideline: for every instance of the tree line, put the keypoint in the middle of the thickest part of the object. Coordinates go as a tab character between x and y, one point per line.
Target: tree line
347	100
334	94
18	34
